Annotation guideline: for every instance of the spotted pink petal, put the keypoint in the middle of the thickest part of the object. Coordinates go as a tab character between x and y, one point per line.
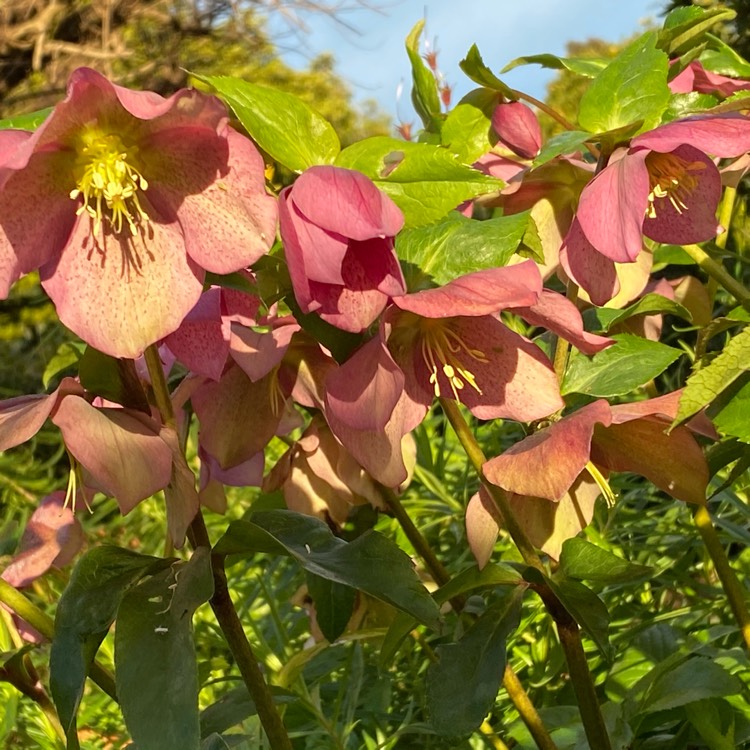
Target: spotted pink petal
214	185
583	264
123	453
345	202
363	392
546	463
695	221
118	295
53	535
560	315
201	342
478	294
719	135
258	353
613	204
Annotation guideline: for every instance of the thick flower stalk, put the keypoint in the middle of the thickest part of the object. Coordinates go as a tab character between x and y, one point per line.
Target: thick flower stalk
123	200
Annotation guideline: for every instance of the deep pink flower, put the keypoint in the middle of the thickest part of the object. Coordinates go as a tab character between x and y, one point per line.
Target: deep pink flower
449	342
664	186
517	128
123	199
338	231
694	77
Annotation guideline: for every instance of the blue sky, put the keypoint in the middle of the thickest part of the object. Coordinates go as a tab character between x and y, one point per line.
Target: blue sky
373	61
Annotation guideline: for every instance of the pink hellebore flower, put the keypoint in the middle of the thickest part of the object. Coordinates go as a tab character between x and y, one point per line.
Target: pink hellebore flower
550	473
449	342
664	187
695	77
123	199
338	231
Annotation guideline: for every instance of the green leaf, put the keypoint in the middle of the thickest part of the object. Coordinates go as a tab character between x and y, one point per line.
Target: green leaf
334	604
672	255
684	28
708	383
463	685
562	143
155	662
733	418
632	88
684	105
589	67
714	720
85	611
30	121
371	563
424	92
234	707
467	130
692	680
474	67
722	59
648	305
582	560
113	379
214	742
456	246
629	363
68	354
288	130
425	181
492	575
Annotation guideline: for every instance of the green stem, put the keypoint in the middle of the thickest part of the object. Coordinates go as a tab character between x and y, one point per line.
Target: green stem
159	386
567	628
726	209
732	587
16	601
719	273
563	347
231	626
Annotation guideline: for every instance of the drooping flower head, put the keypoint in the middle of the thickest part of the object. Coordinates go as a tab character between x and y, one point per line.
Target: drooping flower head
338	231
123	199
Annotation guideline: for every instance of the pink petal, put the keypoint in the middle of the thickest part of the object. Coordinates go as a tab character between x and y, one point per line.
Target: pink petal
237	417
215	186
549	524
52	536
546	463
694	221
498	166
364	391
258	353
201	342
482	530
518	128
15	151
588	268
477	294
126	458
664	408
612	207
23	416
560	315
675	462
119	295
345	202
720	135
36	216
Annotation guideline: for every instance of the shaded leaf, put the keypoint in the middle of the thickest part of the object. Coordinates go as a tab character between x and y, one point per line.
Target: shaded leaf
334	604
371	563
648	305
68	354
113	379
156	669
583	560
733	418
567	142
463	685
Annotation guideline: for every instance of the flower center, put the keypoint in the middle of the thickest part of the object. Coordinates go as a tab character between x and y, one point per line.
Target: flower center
441	349
108	182
671	177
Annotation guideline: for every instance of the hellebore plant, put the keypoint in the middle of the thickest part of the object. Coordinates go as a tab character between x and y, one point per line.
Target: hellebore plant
128	197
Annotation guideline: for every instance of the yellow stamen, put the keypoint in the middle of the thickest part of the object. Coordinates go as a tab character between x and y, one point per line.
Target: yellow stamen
74	481
673	178
108	181
440	348
602	483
